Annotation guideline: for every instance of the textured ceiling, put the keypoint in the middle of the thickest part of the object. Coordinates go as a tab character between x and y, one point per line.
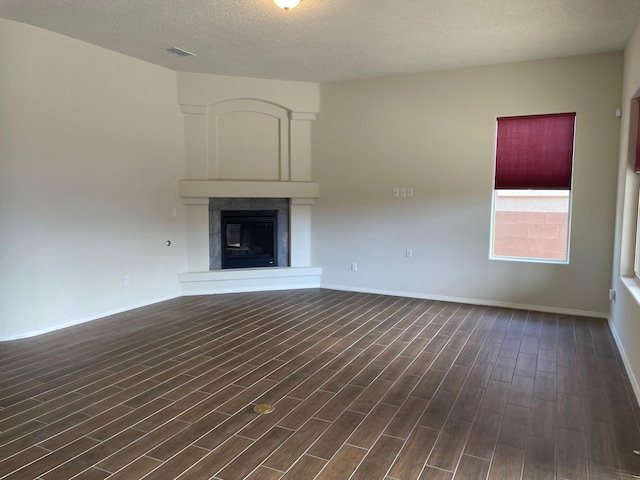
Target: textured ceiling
324	40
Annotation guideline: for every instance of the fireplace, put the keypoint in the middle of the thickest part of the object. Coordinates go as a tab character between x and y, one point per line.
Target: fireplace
249	238
248	232
293	248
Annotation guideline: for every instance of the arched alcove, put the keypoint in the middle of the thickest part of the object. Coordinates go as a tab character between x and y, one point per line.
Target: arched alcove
248	140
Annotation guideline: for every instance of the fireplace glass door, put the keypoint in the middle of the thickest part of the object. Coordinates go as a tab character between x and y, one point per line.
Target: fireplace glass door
249	238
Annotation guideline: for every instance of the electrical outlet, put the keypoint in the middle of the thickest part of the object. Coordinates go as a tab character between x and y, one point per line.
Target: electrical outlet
354	267
409	252
396	192
126	280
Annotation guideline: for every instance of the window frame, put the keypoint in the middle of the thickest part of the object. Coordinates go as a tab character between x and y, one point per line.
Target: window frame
636	169
494	195
636	262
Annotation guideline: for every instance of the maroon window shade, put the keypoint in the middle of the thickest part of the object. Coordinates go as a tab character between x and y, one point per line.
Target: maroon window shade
638	142
535	152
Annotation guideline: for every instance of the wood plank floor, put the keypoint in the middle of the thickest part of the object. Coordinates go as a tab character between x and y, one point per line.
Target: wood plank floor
364	387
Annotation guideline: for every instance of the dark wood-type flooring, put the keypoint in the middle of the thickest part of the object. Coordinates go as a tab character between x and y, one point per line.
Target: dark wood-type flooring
364	387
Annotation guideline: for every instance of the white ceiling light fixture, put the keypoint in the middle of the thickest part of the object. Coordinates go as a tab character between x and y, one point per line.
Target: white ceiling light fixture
287	4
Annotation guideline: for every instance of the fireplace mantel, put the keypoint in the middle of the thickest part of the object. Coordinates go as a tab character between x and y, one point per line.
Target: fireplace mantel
192	189
198	280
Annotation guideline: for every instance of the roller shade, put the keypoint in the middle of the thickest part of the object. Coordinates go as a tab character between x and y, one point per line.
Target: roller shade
535	152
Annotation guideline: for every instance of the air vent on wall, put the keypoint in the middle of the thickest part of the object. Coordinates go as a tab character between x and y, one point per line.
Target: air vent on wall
179	51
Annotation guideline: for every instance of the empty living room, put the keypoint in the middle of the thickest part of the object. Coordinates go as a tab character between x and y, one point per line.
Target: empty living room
320	239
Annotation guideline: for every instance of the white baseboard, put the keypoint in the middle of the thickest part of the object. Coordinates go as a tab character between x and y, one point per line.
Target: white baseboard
625	360
471	301
79	320
209	289
208	283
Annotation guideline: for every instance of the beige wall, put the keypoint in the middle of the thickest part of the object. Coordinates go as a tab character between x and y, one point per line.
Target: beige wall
91	150
434	133
625	319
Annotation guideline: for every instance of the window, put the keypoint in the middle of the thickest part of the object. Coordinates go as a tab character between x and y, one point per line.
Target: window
532	189
637	170
636	266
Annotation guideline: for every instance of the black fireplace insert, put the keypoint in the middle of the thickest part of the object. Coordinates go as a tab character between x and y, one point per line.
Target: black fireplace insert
249	238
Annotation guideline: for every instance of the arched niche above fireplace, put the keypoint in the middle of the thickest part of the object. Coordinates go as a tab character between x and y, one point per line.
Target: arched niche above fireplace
249	140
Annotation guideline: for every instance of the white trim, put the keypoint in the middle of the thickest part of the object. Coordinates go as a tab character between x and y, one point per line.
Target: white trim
249	274
636	263
627	365
532	193
246	189
633	287
237	280
90	318
194	109
308	116
549	261
471	301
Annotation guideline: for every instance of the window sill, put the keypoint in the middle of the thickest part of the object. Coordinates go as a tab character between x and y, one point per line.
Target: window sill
633	286
529	260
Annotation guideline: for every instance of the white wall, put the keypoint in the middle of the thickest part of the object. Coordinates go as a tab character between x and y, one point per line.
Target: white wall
625	319
434	132
91	151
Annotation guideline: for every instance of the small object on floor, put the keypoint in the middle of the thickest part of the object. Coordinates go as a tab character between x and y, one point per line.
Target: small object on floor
263	408
636	452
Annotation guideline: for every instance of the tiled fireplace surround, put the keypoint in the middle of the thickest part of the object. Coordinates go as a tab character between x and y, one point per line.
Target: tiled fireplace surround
217	205
247	145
